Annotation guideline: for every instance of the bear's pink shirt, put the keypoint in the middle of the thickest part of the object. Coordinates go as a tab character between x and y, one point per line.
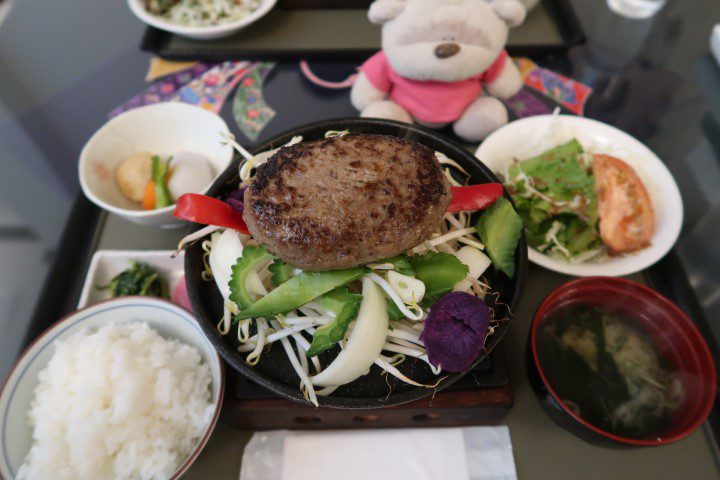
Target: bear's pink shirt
431	101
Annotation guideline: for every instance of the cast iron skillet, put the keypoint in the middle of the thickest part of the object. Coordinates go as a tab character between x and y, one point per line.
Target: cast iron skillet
372	390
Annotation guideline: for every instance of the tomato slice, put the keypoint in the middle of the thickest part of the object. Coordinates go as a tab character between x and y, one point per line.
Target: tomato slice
474	197
627	218
209	211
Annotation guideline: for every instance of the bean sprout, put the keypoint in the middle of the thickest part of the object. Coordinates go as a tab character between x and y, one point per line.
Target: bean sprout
405	335
471	242
305	345
244	330
386	364
230	139
382	283
445	160
226	322
304	379
254	357
207	230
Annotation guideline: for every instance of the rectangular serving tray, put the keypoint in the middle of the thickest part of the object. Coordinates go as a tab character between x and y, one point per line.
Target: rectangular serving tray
346	33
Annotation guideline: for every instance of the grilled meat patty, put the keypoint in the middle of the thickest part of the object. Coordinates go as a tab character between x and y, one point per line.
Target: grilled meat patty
346	201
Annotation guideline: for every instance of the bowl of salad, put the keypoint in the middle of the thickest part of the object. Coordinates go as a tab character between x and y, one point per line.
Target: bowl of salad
201	19
594	200
354	263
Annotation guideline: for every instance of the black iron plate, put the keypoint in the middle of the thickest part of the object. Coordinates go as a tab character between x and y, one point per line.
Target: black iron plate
373	390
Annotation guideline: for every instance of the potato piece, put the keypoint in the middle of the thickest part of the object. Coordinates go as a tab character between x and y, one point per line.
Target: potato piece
133	174
627	219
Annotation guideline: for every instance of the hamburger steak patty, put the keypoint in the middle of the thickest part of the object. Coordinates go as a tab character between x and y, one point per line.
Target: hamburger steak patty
346	201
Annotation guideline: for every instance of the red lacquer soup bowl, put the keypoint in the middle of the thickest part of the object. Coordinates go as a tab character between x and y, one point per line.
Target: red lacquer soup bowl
673	334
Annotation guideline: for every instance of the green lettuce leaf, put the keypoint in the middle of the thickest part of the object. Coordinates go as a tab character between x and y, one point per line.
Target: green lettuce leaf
560	176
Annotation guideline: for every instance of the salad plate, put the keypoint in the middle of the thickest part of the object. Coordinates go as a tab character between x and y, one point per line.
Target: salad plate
533	136
376	388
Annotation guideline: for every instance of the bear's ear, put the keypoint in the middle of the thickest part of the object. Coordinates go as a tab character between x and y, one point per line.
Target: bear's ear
382	11
511	12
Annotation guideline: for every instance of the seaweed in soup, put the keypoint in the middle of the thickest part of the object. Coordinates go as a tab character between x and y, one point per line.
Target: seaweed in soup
608	371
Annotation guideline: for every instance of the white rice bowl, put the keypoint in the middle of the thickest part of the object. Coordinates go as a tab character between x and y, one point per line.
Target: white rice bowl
120	402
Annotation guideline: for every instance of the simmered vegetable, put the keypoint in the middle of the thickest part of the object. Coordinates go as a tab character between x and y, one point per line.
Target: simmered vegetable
160	172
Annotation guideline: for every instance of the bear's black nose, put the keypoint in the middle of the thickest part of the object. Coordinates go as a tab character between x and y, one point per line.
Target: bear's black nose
446	50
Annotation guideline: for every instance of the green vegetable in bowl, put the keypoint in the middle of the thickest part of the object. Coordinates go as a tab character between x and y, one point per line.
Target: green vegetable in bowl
344	305
139	279
500	228
294	293
160	171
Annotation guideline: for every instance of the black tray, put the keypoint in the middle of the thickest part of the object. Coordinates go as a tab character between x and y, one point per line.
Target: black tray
323	34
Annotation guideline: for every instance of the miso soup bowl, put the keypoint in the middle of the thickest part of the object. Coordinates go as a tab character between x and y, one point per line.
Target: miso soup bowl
674	335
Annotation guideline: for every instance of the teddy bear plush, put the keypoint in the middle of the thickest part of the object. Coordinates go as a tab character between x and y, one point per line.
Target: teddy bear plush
442	62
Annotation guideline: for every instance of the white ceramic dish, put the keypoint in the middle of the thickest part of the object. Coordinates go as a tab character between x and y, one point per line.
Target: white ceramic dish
162	129
531	136
17	393
105	264
201	33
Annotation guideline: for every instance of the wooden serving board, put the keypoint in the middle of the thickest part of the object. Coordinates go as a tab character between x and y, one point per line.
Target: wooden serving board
483	397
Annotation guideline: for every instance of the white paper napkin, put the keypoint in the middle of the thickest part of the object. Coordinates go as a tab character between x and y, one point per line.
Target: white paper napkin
362	455
474	453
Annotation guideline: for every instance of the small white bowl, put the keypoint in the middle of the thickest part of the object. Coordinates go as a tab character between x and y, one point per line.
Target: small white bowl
106	264
531	136
17	393
163	129
200	33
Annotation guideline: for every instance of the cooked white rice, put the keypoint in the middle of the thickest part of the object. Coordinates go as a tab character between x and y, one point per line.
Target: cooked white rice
118	403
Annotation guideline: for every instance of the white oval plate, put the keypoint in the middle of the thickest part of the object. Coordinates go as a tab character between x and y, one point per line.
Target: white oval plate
531	136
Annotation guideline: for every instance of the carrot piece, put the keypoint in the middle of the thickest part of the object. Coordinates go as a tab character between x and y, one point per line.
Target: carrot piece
148	202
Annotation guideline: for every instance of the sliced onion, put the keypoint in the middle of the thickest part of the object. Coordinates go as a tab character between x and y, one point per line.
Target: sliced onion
477	263
364	343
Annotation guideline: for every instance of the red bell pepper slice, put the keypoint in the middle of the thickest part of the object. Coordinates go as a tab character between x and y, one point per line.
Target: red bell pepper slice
209	211
474	197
